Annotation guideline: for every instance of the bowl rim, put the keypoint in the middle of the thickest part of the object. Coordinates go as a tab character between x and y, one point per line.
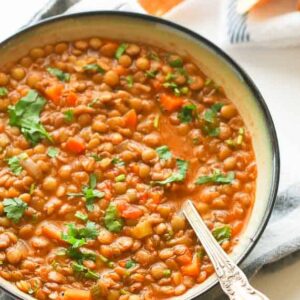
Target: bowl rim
258	99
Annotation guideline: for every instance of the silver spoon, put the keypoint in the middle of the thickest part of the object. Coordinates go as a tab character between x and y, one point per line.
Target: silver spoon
232	280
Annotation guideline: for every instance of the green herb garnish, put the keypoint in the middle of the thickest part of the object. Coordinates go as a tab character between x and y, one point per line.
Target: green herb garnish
175	62
81	216
69	115
94	101
216	177
3	91
129	80
121	50
163	152
25	114
52	152
14	208
14	163
94	68
151	74
167	272
118	162
83	272
130	264
222	233
211	123
96	157
112	220
89	193
59	74
188	113
178	175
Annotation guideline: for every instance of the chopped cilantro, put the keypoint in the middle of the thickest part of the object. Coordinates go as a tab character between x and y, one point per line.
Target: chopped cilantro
94	68
14	208
52	152
178	175
175	62
96	157
222	233
129	80
167	272
59	74
3	91
188	113
173	86
69	115
81	216
163	152
89	193
130	264
151	74
94	101
211	124
25	114
216	177
14	163
121	50
83	272
118	162
112	220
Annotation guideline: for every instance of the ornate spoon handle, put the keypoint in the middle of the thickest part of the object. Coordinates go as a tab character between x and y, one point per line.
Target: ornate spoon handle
233	281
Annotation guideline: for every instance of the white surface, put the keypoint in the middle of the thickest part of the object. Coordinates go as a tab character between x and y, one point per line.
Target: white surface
276	73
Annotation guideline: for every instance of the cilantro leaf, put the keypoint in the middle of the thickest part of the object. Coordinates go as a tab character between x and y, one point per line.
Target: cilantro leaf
89	193
188	113
211	124
14	163
118	162
130	264
25	114
69	115
78	237
175	62
222	233
112	220
3	91
14	208
129	80
163	152
52	152
121	50
151	74
59	74
94	67
83	272
216	177
81	216
177	176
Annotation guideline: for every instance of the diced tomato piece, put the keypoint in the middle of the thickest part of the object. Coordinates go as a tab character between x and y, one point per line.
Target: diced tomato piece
186	258
170	103
128	211
130	119
72	99
54	93
192	269
155	197
75	145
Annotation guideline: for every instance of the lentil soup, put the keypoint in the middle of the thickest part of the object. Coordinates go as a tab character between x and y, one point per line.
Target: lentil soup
101	142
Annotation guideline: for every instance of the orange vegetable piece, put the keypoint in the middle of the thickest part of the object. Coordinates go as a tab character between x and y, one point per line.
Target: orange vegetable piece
51	231
186	258
72	99
128	211
54	93
170	103
130	119
75	145
192	269
76	294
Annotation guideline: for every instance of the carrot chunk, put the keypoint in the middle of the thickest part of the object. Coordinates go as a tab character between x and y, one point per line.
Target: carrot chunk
72	99
76	294
131	119
192	269
75	145
170	103
54	93
128	211
51	231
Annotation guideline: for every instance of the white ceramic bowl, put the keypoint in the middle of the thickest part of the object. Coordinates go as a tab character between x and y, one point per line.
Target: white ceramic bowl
212	61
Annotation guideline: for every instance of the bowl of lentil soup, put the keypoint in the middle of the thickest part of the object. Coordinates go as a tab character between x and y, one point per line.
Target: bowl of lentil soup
103	135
